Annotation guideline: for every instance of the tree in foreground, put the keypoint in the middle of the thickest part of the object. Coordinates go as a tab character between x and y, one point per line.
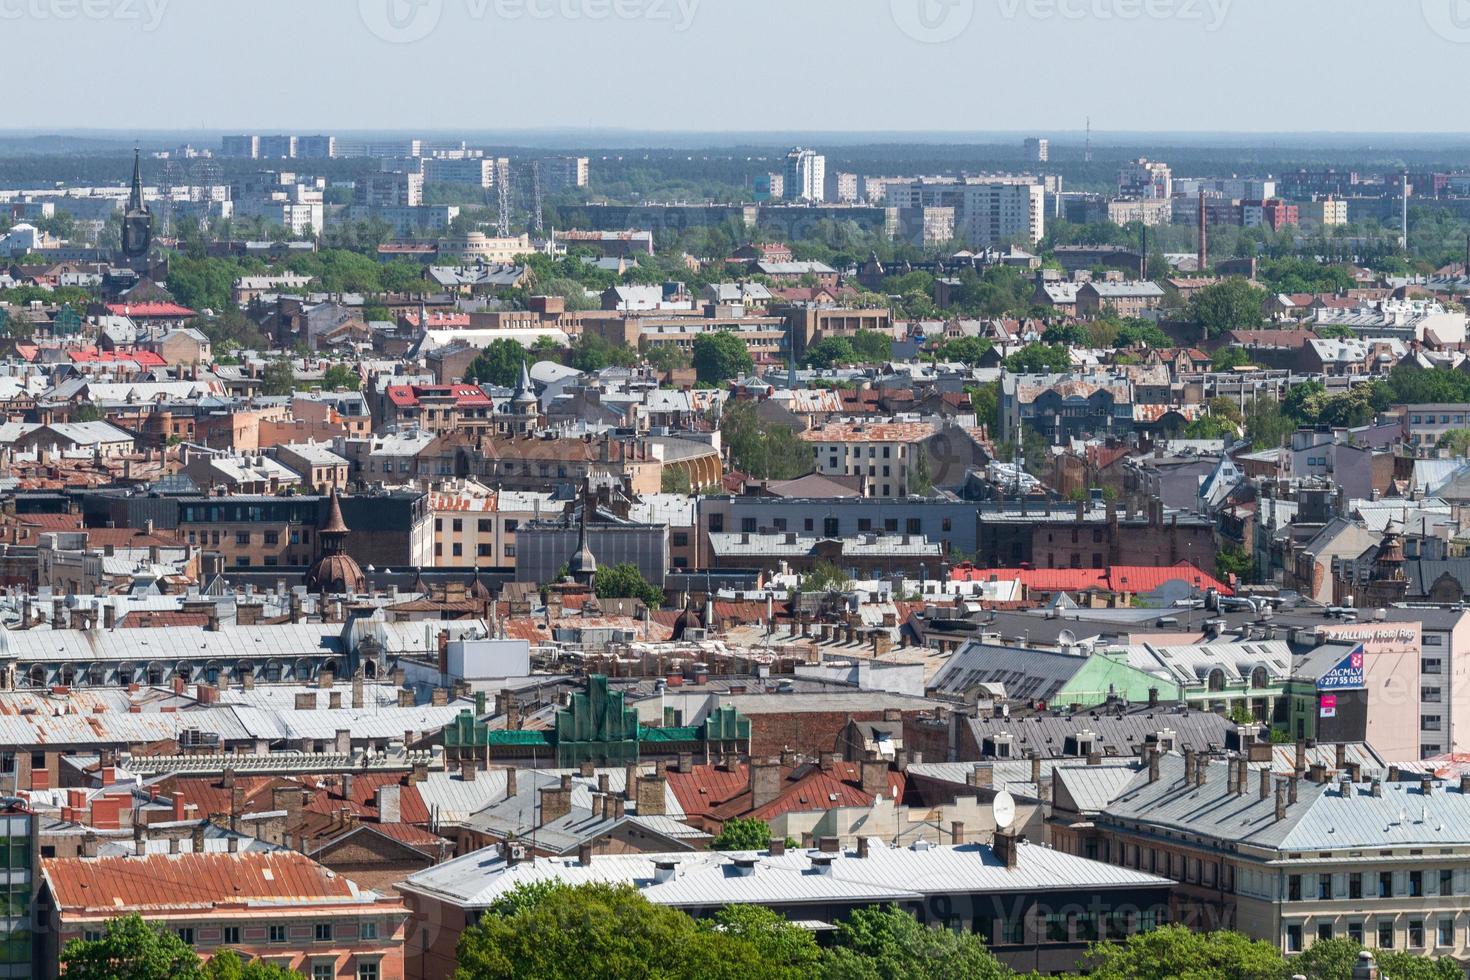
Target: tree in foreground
1333	959
131	949
720	356
612	931
626	582
890	944
1175	953
742	834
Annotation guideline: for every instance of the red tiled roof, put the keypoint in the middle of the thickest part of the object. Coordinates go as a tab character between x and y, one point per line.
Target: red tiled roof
1117	578
465	396
91	355
150	309
714	792
159	882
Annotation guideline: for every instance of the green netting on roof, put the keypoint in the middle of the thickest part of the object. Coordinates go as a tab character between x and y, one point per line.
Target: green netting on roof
516	738
688	733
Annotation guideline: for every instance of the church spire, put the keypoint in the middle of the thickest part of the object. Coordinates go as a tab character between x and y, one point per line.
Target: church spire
135	195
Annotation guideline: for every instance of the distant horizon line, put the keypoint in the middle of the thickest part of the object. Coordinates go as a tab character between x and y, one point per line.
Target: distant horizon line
962	135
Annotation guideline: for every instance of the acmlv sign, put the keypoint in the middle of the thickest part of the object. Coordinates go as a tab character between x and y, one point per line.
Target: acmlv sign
1348	675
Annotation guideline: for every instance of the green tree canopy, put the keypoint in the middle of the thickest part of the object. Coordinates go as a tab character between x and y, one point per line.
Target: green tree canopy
131	948
498	364
340	376
279	378
1039	359
1136	332
964	350
871	346
825	577
890	944
1067	334
592	353
766	452
1229	358
1232	304
612	931
720	356
626	582
830	352
742	834
1175	953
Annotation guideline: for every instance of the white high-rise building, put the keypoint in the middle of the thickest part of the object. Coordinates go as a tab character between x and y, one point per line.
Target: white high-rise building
1145	180
989	210
806	175
1038	150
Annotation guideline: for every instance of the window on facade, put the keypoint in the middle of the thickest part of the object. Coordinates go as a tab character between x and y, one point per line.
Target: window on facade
1445	934
865	524
1429	695
1294	939
747	524
1416	884
1324	887
1355	932
231	935
1429	723
1355	885
277	934
1385	884
1430	665
914	525
486	526
830	527
186	935
1446	881
367	930
324	971
1324	931
1294	888
1385	935
1416	933
242	538
323	932
367	971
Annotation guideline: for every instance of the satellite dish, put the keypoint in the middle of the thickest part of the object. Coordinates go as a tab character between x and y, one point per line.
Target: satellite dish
1066	638
1004	808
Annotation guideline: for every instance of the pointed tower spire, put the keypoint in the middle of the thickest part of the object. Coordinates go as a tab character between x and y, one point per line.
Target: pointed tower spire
135	194
583	566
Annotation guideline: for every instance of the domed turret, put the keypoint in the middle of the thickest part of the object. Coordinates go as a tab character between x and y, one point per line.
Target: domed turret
335	572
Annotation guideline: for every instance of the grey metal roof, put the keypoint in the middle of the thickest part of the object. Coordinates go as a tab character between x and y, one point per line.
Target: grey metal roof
703	879
1322	819
1115	735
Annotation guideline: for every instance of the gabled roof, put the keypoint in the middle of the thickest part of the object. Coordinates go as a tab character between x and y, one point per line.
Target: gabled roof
167	882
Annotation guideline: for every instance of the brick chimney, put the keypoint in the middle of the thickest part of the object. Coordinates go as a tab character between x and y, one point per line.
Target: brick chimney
651	802
875	776
1006	847
765	782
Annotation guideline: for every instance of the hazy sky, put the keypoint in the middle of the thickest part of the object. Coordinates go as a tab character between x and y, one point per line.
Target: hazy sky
707	65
